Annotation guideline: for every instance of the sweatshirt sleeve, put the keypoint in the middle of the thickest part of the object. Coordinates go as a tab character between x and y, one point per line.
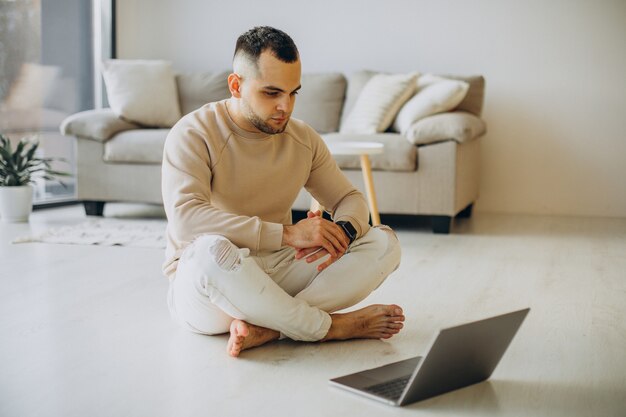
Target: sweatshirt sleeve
186	188
328	185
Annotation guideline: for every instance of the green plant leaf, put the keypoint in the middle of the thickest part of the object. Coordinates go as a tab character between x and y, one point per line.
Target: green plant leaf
31	152
20	147
17	168
6	144
5	154
60	173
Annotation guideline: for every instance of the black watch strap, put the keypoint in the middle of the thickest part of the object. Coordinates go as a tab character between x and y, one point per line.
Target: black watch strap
348	229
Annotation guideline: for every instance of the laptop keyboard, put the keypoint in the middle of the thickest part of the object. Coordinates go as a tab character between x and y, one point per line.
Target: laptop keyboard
391	389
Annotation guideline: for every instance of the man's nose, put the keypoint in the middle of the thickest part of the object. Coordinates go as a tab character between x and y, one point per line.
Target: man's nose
285	103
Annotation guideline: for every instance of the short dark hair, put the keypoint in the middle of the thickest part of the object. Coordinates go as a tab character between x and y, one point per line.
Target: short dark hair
260	38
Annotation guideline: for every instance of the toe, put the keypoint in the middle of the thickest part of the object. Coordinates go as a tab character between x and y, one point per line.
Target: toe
237	346
239	328
393	311
238	332
231	349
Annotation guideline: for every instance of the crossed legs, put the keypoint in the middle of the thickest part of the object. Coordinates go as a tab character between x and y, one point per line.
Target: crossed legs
219	288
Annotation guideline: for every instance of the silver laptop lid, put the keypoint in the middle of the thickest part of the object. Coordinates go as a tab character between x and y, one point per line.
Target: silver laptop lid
462	355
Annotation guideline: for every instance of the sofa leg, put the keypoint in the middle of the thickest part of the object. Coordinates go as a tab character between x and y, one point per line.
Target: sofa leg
441	224
94	208
466	213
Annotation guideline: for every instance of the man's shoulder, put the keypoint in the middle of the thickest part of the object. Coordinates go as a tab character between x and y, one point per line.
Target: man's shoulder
303	133
204	122
298	125
199	116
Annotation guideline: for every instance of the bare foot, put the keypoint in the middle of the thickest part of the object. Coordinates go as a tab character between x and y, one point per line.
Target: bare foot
372	322
245	336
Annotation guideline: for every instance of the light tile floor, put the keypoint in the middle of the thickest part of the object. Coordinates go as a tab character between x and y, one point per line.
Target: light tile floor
84	330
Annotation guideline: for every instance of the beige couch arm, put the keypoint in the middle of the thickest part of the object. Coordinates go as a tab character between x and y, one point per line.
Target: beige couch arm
100	125
459	126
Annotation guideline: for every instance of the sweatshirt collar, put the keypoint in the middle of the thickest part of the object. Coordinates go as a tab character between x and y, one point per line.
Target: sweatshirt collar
235	128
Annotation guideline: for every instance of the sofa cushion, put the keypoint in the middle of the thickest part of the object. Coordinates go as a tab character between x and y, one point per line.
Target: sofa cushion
196	89
143	146
459	126
320	101
146	146
434	95
100	125
398	155
142	91
356	82
379	102
30	120
473	101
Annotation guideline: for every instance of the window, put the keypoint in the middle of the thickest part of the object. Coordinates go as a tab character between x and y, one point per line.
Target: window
46	74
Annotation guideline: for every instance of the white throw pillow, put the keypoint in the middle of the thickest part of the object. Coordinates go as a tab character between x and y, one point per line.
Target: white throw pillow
32	86
142	91
379	102
457	125
434	95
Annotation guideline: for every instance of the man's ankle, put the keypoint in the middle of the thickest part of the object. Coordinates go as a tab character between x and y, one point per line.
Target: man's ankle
335	328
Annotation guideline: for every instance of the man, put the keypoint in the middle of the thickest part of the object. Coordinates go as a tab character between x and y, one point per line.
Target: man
231	172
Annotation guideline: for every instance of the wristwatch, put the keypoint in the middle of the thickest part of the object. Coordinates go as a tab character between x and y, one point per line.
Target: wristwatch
348	229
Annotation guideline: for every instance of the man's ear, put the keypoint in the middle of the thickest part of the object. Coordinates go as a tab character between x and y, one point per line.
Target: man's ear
234	85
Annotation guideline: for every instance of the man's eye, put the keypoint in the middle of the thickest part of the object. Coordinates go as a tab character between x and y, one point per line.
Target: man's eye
295	93
271	93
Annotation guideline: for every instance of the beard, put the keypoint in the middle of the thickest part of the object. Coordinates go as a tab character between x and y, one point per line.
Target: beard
258	122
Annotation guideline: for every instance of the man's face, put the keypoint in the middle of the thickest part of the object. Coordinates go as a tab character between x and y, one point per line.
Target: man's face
268	97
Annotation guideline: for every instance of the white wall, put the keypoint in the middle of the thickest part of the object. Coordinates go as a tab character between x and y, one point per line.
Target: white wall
555	71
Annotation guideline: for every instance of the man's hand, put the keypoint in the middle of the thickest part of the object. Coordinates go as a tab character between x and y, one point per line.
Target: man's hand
315	237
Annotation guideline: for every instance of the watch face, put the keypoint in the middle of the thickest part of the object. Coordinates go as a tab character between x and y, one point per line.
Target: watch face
349	229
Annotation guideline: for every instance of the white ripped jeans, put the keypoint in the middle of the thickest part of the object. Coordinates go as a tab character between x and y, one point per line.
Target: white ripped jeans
216	282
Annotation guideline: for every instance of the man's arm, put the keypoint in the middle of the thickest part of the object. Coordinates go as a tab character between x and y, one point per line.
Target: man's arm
186	188
331	188
315	233
313	253
328	185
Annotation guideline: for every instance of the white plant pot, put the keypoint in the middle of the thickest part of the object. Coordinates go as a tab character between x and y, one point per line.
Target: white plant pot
16	203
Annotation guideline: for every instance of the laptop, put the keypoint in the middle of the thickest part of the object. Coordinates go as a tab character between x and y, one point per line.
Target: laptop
458	356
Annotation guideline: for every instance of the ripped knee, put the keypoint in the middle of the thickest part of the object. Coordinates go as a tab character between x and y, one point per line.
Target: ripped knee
226	255
221	251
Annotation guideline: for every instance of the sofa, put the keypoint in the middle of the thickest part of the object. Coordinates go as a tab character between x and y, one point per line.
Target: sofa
434	172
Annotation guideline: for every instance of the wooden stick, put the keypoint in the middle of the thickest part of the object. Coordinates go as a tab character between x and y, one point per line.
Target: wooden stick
366	167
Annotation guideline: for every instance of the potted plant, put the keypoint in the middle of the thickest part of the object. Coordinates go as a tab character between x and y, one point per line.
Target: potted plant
17	169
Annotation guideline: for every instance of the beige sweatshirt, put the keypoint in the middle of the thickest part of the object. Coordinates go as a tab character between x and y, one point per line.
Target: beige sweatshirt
220	179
